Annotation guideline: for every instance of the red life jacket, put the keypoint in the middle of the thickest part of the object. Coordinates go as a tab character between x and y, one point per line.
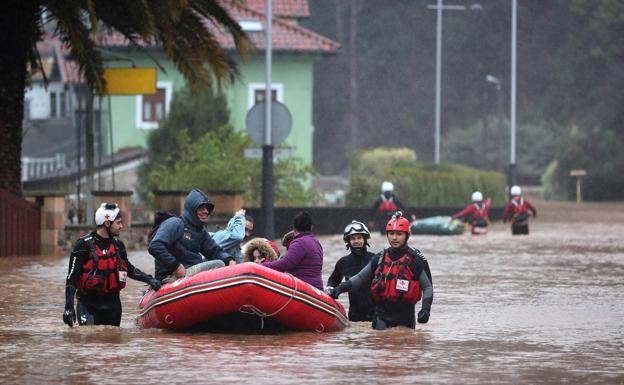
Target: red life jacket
520	207
395	281
104	272
480	216
520	210
387	204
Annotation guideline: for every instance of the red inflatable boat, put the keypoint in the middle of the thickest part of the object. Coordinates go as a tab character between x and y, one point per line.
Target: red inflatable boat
243	298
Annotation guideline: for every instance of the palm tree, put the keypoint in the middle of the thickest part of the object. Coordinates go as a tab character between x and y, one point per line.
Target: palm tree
185	29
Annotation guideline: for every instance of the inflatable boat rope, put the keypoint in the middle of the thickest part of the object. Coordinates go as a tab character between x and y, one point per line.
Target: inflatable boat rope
251	309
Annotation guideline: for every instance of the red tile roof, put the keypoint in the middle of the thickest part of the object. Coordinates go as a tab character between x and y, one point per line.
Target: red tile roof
286	37
282	8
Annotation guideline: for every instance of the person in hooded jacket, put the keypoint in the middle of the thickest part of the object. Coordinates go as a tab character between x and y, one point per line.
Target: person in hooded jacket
237	231
98	267
260	250
355	236
400	278
384	206
181	246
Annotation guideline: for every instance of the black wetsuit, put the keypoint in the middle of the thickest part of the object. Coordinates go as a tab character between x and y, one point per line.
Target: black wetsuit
360	301
93	308
388	313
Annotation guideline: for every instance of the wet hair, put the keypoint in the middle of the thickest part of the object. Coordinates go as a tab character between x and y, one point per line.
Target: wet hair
287	239
302	221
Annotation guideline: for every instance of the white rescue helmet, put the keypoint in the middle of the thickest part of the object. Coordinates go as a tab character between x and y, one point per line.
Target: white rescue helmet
106	212
477	196
355	227
515	191
387	186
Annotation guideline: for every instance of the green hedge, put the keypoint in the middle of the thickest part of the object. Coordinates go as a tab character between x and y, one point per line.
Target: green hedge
429	185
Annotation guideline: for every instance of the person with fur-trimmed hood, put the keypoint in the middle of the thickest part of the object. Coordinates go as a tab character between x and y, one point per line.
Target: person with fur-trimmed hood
259	250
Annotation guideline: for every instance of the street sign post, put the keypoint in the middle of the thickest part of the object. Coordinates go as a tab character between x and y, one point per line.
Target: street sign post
578	174
279	121
278	153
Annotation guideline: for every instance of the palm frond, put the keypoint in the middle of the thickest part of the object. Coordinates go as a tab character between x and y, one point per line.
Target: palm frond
74	34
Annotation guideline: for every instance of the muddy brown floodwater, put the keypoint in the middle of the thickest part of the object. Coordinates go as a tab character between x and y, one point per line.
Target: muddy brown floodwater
546	308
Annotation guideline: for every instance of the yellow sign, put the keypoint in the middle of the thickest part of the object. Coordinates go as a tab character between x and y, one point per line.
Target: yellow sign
130	81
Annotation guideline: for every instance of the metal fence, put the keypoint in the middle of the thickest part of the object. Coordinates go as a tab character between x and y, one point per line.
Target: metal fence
36	167
19	226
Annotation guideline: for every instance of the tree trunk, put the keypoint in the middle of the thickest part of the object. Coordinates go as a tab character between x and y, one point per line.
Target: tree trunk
17	26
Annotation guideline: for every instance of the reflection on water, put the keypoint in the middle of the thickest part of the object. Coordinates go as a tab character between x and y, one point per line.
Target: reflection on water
546	308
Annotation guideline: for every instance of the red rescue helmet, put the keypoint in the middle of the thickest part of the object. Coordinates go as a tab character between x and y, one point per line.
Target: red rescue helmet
398	223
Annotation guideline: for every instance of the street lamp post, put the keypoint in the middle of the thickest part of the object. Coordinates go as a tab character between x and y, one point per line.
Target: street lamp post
512	116
439	7
438	97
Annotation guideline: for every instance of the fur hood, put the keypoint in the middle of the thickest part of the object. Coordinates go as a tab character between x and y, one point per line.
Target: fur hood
261	244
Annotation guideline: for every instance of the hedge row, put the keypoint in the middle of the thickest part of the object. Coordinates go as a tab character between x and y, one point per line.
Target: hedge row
429	185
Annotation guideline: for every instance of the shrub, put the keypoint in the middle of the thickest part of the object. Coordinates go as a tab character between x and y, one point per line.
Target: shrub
427	184
377	160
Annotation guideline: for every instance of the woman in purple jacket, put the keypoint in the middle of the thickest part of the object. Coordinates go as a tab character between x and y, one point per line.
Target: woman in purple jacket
304	258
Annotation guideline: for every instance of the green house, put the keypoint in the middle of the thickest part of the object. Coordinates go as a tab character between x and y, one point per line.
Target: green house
295	49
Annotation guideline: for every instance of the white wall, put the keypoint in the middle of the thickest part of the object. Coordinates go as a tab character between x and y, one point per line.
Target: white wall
39	99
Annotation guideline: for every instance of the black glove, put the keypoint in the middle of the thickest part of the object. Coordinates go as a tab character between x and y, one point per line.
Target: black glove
333	292
154	284
344	286
69	316
423	316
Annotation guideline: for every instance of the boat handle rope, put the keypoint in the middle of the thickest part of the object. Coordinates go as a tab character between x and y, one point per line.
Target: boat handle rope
251	309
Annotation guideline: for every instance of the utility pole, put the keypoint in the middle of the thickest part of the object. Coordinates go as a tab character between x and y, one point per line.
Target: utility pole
267	148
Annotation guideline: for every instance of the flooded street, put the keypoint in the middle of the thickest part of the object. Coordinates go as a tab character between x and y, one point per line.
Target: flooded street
540	309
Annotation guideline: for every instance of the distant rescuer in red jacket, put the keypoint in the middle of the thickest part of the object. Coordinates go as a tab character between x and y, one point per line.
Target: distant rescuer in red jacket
385	206
477	213
517	211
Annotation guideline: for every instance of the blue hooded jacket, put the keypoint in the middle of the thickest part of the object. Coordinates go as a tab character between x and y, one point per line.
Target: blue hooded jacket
186	237
231	237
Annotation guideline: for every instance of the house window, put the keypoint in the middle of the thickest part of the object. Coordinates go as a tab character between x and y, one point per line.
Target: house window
154	106
150	109
63	107
257	93
53	110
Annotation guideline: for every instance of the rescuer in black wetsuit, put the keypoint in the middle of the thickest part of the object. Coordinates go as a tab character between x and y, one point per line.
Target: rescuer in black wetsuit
356	236
98	268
